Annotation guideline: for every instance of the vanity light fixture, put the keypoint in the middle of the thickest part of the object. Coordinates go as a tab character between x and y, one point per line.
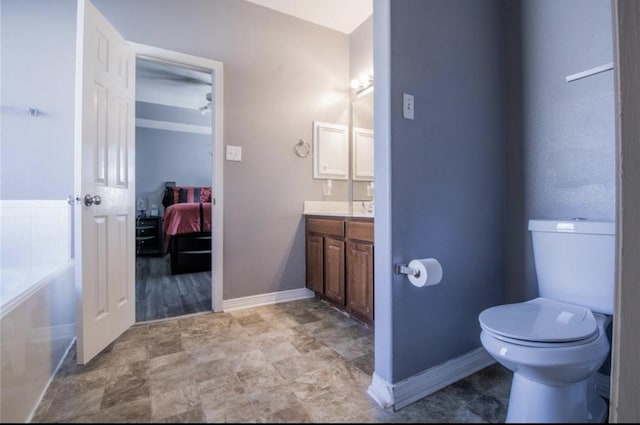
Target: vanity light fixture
208	106
362	83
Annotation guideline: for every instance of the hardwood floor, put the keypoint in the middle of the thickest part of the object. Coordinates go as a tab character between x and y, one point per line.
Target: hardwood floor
160	295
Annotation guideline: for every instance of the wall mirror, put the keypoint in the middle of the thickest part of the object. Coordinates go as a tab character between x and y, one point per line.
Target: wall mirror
362	148
330	151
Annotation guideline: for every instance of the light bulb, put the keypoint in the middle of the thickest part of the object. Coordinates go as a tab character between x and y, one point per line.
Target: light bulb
355	83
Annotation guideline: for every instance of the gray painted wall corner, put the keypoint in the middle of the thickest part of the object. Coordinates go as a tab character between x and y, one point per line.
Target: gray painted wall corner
447	175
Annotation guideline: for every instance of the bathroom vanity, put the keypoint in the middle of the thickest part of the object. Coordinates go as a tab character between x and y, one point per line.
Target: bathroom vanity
339	261
339	229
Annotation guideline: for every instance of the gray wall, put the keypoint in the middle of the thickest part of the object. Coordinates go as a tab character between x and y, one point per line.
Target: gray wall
166	155
162	155
482	151
560	135
37	45
280	74
361	49
447	181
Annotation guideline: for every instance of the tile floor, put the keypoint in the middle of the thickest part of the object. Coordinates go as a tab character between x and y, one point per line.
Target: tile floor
300	361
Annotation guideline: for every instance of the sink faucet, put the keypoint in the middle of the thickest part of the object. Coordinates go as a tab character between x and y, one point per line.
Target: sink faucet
367	206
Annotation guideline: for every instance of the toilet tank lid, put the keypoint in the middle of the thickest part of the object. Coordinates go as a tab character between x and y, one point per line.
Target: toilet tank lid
573	226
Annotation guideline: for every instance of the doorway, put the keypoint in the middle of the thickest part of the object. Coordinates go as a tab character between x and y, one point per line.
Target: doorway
174	150
178	161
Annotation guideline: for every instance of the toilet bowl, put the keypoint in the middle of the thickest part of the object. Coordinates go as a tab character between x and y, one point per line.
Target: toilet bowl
554	370
556	343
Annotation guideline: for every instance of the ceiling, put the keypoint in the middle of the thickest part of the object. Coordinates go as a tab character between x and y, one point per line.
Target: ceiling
340	15
181	74
171	85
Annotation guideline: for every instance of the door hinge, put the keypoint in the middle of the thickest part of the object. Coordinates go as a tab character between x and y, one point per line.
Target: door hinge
73	199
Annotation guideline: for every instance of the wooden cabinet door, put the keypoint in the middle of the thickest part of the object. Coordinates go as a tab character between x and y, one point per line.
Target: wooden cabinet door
334	270
315	263
360	278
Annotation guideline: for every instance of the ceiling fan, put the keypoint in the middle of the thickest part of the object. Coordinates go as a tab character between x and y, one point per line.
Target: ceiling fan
150	70
208	107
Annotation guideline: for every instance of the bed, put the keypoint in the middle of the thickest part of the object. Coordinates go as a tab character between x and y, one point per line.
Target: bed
187	228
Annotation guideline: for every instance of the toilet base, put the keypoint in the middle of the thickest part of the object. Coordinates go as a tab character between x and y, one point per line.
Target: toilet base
533	402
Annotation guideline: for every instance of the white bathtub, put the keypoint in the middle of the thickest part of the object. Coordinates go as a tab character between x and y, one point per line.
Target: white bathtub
17	283
37	327
37	301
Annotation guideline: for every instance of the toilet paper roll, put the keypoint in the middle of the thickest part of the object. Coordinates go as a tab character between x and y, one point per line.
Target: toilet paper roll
429	272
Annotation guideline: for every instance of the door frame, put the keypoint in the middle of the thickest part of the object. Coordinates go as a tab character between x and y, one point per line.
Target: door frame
625	344
214	68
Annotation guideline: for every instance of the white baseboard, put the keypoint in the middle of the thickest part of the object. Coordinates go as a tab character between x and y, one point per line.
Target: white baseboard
381	391
429	381
264	299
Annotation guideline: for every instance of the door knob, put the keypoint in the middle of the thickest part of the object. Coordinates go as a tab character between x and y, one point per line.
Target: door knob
90	200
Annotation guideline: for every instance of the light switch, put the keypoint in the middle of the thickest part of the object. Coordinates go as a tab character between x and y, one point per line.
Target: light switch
407	106
234	153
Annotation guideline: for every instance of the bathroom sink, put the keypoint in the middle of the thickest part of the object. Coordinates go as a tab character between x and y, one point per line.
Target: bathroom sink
363	209
362	214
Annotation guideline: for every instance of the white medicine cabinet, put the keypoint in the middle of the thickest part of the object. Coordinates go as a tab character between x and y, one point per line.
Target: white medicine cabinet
330	151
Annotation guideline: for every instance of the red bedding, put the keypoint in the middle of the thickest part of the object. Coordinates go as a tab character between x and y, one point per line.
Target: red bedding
186	218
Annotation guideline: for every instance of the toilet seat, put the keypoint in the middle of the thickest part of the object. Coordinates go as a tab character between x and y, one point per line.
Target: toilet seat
540	322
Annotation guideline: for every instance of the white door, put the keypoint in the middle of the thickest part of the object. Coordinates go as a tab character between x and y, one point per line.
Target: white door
105	218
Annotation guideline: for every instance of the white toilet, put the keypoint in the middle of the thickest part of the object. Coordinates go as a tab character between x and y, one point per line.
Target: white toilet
556	343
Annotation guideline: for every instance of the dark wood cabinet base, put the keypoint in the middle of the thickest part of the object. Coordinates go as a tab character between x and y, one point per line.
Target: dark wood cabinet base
339	263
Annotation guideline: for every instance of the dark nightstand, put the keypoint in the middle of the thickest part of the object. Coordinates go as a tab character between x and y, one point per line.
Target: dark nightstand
149	235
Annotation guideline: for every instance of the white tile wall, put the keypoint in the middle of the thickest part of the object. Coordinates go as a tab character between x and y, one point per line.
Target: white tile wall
34	232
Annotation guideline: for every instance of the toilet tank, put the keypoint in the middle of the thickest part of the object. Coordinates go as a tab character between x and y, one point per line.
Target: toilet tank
575	261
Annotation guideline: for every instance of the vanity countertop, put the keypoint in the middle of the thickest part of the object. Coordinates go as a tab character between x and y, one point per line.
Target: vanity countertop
337	209
339	214
328	213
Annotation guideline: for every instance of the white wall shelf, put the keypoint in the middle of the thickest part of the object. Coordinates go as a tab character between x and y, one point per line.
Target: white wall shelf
590	72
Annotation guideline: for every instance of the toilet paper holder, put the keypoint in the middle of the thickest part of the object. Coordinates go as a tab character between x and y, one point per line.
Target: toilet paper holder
402	268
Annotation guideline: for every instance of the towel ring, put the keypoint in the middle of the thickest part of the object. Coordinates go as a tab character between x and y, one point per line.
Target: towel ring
302	148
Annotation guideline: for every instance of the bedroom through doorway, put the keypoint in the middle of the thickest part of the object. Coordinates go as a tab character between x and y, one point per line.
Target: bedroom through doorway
173	185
